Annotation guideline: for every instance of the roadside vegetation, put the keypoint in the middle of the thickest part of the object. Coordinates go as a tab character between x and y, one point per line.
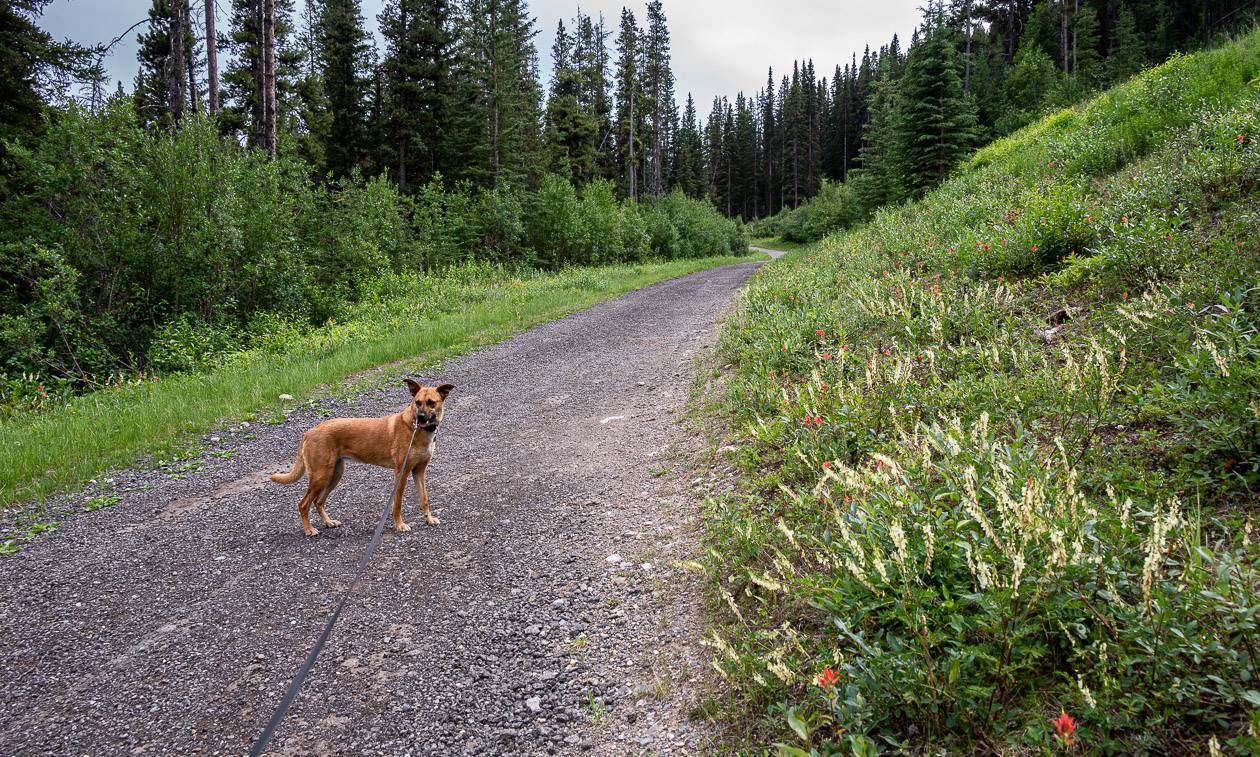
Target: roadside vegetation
419	319
1000	448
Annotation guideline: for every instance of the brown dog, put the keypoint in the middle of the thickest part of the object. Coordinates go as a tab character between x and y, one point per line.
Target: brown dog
379	441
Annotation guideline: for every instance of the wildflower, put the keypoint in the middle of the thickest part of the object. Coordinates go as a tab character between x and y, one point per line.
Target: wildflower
823	386
1004	242
826	356
1065	726
985	246
1034	248
1124	296
1190	305
783	348
820	333
818	421
828	678
1052	164
1168	237
1241	139
827	466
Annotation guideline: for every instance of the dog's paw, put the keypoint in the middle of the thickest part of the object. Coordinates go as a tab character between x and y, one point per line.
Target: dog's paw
401	527
432	520
330	523
312	532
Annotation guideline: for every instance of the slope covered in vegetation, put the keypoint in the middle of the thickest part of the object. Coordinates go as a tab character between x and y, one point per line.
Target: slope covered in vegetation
1000	447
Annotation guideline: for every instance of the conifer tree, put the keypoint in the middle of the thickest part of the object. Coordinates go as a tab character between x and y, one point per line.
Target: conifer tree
243	113
658	85
418	95
934	120
1128	54
630	106
346	68
569	131
500	100
688	171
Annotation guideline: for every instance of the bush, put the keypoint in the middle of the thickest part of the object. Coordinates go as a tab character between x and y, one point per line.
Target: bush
125	250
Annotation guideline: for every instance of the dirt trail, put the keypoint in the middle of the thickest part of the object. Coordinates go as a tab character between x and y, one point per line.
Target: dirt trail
541	616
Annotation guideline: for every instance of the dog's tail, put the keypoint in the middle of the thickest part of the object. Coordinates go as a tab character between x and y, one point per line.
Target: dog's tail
299	467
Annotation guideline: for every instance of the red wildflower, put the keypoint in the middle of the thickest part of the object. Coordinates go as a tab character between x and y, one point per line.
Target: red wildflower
824	386
828	678
826	356
1065	726
985	246
818	421
1034	248
827	464
1241	139
1004	242
820	332
1125	296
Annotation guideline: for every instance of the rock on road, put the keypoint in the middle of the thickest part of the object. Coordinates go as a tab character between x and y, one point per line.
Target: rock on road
537	618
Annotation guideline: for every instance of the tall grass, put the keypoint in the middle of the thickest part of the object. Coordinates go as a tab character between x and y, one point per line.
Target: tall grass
425	320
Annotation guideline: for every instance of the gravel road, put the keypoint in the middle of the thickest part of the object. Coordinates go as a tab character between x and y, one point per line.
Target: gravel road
544	614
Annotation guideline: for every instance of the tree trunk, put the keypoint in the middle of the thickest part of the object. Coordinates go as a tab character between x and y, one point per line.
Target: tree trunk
175	67
257	69
212	61
1063	35
269	76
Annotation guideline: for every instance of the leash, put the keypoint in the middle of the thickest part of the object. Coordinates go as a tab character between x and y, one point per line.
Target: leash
296	684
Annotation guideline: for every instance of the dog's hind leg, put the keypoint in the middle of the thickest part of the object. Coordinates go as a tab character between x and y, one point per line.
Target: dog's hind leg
304	506
420	476
327	490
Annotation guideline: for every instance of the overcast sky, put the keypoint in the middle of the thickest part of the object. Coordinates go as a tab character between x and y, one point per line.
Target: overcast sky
719	48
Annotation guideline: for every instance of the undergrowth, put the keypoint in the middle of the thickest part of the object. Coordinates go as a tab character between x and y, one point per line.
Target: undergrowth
1001	448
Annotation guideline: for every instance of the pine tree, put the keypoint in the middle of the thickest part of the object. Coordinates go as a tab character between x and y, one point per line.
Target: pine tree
499	100
934	121
1128	53
243	113
346	65
569	130
591	63
630	107
658	84
418	88
688	171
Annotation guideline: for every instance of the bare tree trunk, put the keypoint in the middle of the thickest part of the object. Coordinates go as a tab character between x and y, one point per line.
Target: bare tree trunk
258	134
269	76
634	192
1075	13
1063	34
212	61
175	68
967	56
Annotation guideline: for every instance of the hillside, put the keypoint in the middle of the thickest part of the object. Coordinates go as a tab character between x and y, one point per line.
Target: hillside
999	448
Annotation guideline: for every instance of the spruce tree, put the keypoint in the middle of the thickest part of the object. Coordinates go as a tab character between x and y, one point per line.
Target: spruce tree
242	114
499	99
417	100
658	84
345	58
1128	53
631	106
934	121
688	171
569	130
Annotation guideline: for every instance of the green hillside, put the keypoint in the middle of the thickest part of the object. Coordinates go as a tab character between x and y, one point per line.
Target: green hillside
1000	448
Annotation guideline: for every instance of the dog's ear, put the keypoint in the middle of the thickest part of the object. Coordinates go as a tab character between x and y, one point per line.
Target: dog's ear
413	386
445	389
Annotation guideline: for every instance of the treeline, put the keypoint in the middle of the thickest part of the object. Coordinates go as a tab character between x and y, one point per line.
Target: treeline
898	118
313	176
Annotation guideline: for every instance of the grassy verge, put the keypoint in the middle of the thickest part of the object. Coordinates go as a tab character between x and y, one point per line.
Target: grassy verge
1000	449
440	317
778	243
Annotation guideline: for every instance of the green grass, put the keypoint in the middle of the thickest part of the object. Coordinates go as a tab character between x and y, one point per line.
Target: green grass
778	243
1000	448
61	449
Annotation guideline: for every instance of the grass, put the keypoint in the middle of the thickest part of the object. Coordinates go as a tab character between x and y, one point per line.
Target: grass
61	449
778	243
999	449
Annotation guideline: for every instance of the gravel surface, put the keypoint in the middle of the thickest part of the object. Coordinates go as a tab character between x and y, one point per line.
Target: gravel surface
544	615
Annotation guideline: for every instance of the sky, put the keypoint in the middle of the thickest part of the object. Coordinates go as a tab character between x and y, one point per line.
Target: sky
719	48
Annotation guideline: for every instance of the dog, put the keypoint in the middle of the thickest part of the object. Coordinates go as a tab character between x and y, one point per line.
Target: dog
384	441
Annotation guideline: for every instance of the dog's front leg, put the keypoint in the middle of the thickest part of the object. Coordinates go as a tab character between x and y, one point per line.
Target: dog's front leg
399	525
422	493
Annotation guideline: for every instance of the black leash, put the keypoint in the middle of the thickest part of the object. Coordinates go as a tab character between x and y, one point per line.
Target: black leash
296	684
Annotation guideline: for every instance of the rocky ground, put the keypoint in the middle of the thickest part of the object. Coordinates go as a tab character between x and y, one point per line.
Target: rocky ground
546	614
